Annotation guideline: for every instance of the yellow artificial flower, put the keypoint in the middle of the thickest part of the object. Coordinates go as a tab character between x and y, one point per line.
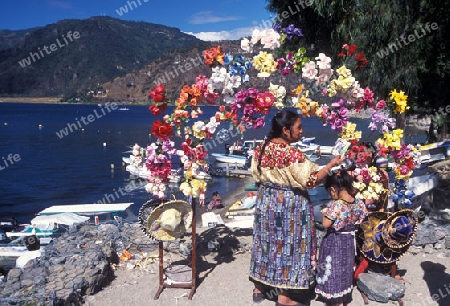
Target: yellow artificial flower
304	103
393	139
265	63
400	101
344	72
349	132
344	83
186	189
319	112
332	89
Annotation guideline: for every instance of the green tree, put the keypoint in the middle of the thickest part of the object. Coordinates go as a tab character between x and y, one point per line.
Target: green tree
403	47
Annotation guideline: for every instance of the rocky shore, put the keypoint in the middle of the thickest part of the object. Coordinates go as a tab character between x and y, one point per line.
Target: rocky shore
89	266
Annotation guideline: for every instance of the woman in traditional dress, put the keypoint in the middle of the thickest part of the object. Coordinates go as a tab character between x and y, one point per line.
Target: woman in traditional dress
284	250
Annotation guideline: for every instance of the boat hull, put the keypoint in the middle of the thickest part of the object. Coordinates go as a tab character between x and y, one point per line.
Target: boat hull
230	159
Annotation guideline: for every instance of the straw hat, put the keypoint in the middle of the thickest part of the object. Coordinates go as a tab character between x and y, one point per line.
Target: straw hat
169	220
370	241
400	228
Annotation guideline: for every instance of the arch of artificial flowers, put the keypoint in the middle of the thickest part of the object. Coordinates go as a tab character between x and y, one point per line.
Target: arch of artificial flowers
247	107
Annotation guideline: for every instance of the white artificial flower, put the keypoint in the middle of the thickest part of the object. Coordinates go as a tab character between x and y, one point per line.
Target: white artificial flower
270	39
246	45
256	36
309	71
212	125
323	61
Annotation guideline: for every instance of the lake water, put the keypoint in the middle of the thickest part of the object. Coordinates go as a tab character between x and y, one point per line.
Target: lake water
39	168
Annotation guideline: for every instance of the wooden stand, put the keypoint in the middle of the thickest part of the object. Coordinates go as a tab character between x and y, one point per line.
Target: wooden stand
192	284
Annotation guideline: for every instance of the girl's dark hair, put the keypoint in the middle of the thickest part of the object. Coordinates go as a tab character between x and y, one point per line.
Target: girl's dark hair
340	179
284	118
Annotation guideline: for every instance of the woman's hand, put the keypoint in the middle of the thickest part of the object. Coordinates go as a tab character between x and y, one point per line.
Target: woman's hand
336	161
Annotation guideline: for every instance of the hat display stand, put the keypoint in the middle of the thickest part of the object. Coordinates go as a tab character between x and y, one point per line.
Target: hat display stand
392	233
188	285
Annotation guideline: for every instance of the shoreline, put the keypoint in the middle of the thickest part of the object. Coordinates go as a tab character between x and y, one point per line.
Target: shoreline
46	100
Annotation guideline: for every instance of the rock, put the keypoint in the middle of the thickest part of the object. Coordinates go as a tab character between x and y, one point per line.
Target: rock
186	248
425	235
447	242
428	249
415	249
380	288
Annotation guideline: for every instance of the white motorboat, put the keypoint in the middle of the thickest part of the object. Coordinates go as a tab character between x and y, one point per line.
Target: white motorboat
232	160
49	226
434	152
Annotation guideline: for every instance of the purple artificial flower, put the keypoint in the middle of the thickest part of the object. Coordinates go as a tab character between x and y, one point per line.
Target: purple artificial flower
343	112
249	109
277	27
259	122
292	31
253	93
168	147
234	108
241	96
339	103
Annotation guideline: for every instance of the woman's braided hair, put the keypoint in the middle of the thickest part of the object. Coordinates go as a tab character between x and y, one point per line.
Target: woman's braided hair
284	118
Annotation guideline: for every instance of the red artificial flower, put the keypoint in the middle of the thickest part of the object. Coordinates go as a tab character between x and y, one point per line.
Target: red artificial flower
158	94
157	109
341	54
359	56
409	162
351	49
264	101
186	145
200	153
162	129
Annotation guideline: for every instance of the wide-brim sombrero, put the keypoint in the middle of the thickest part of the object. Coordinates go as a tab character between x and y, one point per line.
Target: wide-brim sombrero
400	228
370	242
170	220
145	211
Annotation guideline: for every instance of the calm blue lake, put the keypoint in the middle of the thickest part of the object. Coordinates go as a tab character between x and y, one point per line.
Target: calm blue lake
39	168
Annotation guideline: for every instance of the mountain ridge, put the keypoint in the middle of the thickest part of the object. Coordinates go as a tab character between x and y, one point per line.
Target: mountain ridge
73	57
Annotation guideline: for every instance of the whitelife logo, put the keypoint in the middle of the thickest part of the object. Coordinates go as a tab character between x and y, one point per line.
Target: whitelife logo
124	9
49	49
407	40
71	127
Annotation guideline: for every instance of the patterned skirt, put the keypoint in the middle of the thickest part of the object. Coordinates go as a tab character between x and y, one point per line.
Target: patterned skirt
283	238
335	267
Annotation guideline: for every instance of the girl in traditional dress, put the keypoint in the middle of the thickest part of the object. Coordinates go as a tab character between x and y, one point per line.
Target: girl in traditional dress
337	250
283	252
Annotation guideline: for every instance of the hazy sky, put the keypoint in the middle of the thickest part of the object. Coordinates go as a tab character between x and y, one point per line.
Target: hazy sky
208	20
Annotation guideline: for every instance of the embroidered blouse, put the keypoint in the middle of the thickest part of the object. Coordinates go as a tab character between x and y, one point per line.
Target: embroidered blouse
284	165
345	214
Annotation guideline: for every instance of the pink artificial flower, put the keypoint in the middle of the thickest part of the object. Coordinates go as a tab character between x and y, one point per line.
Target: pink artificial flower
368	95
381	104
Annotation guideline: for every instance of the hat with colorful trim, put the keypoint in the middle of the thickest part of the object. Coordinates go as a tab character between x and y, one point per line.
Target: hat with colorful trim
370	242
400	228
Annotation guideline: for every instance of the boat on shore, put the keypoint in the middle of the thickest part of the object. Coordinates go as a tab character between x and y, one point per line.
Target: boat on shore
434	152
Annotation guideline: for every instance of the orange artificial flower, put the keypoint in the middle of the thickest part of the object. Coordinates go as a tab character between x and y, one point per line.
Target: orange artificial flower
213	54
298	90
